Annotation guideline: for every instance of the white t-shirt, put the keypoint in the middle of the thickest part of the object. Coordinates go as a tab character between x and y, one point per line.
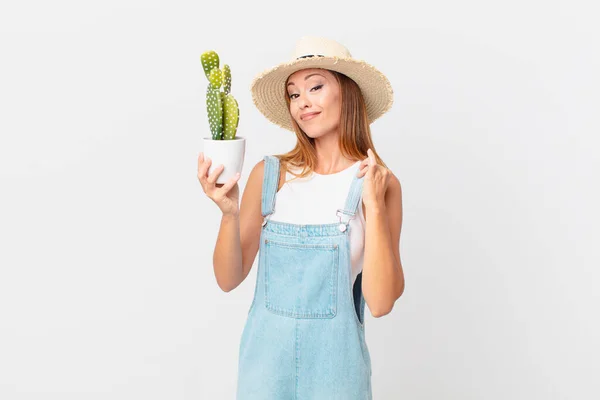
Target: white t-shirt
315	200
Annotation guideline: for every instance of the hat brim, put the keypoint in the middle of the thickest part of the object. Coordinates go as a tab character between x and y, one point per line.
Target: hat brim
268	88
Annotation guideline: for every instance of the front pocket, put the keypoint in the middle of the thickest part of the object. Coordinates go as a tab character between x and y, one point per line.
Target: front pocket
301	280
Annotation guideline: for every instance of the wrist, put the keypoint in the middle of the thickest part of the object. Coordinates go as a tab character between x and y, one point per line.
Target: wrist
230	215
375	208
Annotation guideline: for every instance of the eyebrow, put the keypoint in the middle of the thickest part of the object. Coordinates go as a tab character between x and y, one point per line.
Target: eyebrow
305	78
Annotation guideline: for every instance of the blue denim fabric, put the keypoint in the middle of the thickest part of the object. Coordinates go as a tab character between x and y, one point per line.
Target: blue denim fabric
304	338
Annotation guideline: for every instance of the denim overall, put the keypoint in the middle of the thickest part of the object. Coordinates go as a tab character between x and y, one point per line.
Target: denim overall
304	337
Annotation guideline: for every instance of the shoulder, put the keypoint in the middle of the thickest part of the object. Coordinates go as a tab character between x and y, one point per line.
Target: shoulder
255	179
258	170
393	194
257	173
394	186
393	204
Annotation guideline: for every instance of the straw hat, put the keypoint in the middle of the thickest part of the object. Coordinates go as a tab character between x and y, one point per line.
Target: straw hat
269	91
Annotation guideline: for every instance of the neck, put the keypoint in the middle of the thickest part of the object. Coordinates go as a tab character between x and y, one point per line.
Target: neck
329	157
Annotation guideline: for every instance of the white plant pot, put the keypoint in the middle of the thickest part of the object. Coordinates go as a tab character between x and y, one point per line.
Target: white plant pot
230	153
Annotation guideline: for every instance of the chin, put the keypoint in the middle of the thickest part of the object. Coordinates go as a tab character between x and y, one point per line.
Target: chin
314	135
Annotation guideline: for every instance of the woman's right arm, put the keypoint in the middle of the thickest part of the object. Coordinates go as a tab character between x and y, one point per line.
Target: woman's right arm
239	233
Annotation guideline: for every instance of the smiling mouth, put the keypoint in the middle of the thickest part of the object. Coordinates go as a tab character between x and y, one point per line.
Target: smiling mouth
311	116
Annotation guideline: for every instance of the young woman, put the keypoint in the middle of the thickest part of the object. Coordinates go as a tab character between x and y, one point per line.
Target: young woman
304	337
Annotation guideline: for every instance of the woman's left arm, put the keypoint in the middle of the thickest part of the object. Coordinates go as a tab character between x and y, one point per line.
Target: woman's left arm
383	278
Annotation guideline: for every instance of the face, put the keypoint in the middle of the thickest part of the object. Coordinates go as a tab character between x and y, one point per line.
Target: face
316	91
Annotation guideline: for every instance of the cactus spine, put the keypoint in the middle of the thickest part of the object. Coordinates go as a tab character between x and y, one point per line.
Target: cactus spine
222	107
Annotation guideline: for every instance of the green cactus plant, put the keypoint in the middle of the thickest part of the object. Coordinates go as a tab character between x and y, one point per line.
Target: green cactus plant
222	107
226	79
210	60
231	115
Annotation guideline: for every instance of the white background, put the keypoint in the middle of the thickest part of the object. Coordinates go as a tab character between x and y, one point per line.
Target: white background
106	283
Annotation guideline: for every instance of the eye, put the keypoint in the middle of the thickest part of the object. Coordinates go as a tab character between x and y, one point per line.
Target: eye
291	96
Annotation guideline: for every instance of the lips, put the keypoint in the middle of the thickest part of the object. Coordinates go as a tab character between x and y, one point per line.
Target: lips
309	116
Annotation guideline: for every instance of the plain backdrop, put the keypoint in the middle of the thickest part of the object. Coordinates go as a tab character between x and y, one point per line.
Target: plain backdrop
107	288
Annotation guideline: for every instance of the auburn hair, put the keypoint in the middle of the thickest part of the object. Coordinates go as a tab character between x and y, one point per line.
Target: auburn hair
355	133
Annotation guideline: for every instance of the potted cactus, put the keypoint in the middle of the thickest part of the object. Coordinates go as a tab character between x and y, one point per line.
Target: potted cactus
223	146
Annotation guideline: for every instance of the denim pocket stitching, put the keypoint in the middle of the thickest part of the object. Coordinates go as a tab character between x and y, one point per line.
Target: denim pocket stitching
333	280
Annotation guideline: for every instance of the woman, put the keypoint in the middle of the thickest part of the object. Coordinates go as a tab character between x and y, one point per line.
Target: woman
304	336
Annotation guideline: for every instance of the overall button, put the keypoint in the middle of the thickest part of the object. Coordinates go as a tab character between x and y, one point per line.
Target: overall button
342	227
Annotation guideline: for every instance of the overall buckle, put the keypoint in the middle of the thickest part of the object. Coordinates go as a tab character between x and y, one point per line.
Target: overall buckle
342	225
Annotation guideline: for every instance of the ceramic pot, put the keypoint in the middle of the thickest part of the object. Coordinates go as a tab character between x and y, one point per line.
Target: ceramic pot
230	153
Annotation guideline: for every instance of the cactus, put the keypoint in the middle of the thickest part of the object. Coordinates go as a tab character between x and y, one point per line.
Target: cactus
231	114
226	79
210	60
216	78
222	107
214	107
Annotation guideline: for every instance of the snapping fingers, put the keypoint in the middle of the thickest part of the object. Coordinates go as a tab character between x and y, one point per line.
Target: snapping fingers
363	168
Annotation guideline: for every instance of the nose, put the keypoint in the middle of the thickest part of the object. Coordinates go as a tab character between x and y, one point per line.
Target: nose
303	102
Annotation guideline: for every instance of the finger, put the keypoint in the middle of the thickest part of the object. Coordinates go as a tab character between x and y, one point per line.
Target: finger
200	160
203	168
362	171
212	178
371	157
223	190
363	164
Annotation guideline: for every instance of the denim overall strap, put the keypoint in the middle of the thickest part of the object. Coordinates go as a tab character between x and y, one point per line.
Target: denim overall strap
269	186
352	203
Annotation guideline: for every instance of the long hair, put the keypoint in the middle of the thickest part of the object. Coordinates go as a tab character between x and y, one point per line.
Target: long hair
355	133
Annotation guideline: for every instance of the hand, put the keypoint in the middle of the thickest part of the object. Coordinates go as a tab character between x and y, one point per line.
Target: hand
376	181
225	195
